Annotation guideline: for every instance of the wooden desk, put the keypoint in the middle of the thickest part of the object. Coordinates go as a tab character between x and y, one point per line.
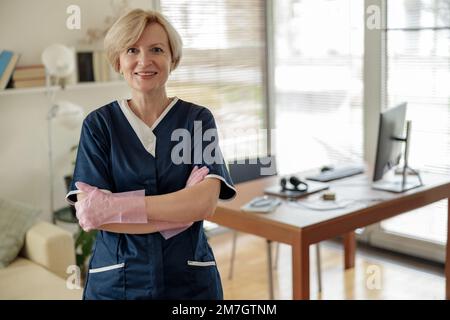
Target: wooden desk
301	227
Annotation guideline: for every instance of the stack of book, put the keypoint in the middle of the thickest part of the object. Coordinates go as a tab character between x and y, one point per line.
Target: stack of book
8	61
29	76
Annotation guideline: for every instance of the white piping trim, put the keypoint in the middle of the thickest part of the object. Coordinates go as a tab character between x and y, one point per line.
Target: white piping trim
77	192
162	115
107	268
201	263
216	176
71	193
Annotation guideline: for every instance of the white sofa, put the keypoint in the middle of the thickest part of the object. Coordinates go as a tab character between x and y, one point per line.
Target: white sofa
39	272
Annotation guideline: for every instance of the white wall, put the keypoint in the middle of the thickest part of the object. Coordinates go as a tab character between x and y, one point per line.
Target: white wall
24	164
27	27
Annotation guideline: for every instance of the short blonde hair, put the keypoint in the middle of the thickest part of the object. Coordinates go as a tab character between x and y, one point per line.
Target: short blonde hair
127	30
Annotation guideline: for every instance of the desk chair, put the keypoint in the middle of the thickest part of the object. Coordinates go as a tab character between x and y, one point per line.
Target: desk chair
241	171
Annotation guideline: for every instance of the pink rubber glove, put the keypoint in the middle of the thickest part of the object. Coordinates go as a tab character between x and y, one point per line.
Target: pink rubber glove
197	175
99	208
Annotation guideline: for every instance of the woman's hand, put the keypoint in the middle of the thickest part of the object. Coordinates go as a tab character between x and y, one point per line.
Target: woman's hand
98	208
197	175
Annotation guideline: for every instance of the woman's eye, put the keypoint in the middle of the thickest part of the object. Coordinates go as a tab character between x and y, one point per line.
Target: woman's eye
157	50
131	50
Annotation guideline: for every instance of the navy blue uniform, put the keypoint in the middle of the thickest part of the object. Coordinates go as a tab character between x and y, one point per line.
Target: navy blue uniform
118	152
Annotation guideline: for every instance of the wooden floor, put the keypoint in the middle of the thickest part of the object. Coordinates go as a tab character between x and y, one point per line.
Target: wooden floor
377	273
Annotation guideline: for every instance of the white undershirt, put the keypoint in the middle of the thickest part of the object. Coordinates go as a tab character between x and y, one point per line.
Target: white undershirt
142	130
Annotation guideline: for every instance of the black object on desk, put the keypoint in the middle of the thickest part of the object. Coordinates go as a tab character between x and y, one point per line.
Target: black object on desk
337	173
313	187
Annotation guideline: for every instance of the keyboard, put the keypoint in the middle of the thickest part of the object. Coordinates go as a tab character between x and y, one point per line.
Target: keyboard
337	173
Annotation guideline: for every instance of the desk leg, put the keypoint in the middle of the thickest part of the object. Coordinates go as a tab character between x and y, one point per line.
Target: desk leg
349	250
300	270
447	255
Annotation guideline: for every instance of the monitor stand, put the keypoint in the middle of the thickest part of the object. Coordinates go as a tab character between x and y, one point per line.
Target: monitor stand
394	184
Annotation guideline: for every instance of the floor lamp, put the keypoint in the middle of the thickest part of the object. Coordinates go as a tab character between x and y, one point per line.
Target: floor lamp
70	116
59	64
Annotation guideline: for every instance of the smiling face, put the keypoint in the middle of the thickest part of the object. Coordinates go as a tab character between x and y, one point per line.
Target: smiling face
146	64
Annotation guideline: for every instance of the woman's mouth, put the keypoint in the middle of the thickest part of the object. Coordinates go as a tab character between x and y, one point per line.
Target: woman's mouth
145	74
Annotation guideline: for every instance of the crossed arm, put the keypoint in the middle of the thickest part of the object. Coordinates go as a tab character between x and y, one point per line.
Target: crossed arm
178	208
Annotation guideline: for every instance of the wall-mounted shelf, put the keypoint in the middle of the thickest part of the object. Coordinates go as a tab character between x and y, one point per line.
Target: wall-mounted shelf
70	87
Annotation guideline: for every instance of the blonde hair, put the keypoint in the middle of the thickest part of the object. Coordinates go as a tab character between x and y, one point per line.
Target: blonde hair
127	30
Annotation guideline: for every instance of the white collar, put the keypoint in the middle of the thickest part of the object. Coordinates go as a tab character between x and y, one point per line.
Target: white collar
142	130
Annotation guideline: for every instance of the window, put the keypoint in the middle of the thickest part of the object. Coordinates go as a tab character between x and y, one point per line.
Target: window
223	67
318	79
418	71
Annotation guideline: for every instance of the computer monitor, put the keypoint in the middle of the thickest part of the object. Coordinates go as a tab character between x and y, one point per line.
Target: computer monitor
389	150
392	144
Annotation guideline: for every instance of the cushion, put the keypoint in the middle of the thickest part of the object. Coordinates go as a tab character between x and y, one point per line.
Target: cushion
15	220
26	280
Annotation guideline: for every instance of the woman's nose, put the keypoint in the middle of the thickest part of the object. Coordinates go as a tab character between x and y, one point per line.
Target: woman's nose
144	58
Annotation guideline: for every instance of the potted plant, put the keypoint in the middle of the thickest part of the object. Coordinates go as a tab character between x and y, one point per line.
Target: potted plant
84	242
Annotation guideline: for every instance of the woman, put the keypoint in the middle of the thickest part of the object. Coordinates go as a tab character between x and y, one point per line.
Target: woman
130	184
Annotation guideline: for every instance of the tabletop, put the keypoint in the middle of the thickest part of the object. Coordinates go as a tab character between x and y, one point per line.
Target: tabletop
354	192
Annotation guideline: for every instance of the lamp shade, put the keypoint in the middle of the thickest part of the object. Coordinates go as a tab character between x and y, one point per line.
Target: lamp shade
68	114
58	60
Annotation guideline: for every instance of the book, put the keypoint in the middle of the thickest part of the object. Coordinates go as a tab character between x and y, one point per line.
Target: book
29	72
85	66
8	61
27	83
5	56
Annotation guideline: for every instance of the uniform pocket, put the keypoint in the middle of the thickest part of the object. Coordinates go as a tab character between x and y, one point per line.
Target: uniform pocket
205	280
106	283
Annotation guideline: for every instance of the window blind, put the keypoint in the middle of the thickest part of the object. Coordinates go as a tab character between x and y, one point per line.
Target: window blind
223	67
418	72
